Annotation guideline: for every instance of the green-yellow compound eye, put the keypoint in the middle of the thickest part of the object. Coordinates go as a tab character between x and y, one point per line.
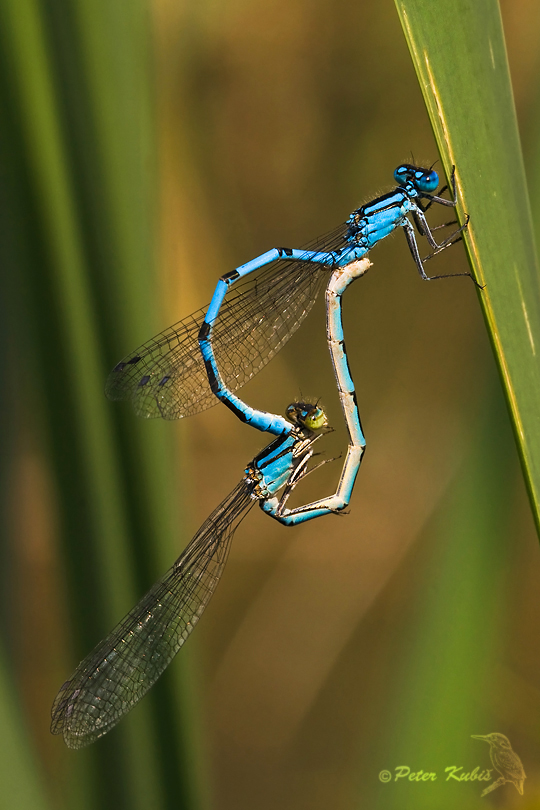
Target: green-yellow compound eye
304	414
315	419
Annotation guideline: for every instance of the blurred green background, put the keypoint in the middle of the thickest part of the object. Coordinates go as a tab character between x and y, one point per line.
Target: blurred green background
146	149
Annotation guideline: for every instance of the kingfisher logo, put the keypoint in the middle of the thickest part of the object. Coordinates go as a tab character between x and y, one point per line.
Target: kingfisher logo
504	760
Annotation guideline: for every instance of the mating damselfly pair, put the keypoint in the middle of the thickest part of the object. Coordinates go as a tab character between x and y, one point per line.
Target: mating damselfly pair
207	357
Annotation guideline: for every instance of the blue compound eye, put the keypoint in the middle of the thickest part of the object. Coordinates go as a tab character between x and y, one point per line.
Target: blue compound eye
427	181
402	174
424	180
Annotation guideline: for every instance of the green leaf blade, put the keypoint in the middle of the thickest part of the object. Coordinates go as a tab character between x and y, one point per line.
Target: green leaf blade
459	54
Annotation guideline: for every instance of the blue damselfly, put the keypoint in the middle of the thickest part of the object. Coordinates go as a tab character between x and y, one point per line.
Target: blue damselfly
253	314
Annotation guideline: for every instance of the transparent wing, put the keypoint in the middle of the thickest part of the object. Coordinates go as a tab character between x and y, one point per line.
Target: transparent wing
166	377
121	669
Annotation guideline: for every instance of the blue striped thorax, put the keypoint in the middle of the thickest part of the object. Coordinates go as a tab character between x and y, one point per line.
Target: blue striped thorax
272	468
372	222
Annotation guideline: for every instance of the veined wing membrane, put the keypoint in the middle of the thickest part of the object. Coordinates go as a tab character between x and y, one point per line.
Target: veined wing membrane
166	376
121	669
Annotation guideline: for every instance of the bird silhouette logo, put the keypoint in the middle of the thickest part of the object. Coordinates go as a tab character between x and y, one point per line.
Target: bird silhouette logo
504	760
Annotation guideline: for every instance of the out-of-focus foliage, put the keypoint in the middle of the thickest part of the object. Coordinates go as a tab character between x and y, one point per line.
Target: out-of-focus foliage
149	149
86	485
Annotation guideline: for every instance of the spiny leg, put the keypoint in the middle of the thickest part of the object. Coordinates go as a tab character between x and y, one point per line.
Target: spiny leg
415	253
425	230
292	483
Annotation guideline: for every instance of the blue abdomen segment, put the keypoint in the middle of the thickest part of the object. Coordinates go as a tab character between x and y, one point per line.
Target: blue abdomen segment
293	517
327	259
275	507
261	420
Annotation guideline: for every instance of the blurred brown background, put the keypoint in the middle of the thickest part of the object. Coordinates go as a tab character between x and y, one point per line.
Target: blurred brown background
349	645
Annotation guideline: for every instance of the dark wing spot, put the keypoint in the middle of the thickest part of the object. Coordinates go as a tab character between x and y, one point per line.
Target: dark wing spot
133	361
143	381
120	367
164	380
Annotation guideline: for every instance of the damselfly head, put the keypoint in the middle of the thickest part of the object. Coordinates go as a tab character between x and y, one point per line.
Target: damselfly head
307	415
424	180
